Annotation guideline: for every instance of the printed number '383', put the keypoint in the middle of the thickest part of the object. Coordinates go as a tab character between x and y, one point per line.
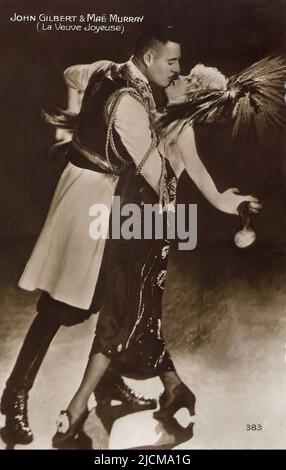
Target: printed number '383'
253	427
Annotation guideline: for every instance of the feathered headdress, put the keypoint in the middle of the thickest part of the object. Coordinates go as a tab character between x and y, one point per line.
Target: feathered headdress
253	99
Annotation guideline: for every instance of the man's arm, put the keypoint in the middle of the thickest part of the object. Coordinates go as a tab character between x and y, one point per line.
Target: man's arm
133	127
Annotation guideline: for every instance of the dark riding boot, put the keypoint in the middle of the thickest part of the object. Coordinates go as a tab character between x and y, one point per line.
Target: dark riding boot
112	387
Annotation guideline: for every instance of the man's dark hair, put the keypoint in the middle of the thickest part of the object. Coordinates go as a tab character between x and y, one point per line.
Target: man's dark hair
152	33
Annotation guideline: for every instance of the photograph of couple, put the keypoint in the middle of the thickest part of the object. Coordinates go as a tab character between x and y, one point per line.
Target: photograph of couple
156	345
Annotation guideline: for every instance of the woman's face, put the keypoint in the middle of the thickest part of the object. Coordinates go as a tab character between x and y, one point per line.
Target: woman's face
201	78
177	91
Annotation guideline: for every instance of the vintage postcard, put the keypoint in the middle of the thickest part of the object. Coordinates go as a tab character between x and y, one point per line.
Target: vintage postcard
143	258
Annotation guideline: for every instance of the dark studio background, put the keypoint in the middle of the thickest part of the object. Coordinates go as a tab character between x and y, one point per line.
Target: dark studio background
224	308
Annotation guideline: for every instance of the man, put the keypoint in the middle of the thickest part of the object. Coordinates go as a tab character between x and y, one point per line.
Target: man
156	59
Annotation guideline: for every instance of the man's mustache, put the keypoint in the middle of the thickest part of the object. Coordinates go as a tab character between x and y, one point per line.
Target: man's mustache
174	79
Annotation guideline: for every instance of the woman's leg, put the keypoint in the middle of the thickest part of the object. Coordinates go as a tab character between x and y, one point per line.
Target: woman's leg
96	367
170	380
175	396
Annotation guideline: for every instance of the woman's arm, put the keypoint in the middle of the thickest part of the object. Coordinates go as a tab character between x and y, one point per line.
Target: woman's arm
77	76
227	201
76	79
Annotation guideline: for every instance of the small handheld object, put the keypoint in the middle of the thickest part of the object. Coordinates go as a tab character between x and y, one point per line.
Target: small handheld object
246	236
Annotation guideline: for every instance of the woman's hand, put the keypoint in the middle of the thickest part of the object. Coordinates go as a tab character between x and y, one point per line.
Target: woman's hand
229	201
182	146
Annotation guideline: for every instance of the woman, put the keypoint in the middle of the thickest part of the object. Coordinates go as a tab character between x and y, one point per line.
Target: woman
132	278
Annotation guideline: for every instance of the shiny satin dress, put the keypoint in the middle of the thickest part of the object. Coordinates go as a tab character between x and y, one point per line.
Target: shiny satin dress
130	290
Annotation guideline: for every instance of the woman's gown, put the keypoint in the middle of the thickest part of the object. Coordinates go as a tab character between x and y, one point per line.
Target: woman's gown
132	280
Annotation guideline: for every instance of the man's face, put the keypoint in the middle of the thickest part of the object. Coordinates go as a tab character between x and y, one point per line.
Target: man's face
163	63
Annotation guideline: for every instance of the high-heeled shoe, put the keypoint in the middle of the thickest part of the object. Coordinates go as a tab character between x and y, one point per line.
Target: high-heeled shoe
67	431
171	401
